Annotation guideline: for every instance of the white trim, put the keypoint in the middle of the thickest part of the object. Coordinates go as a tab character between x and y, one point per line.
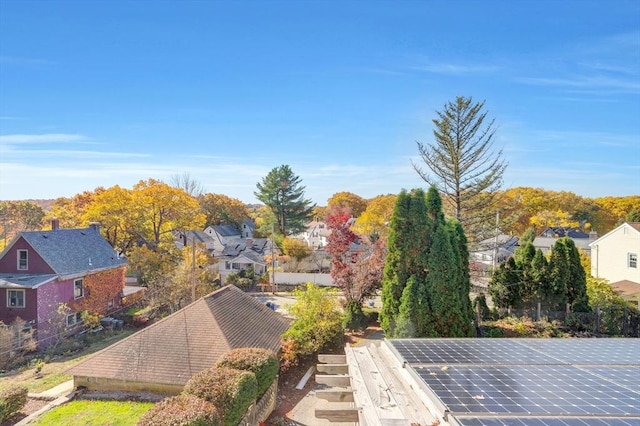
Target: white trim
24	298
18	259
82	289
624	226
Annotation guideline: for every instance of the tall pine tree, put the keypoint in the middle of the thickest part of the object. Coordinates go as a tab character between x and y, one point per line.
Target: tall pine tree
281	190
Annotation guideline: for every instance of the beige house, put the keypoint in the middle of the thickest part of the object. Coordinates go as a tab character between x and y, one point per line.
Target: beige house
614	256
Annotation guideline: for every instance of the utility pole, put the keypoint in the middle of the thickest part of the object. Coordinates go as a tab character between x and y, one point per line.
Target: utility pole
193	267
495	248
274	288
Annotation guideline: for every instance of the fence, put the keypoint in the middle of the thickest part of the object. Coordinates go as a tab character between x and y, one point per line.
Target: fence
612	320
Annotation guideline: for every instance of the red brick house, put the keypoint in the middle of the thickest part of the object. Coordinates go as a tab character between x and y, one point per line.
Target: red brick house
40	270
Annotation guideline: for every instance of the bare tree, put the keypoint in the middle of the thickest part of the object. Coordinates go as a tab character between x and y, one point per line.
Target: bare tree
185	182
463	165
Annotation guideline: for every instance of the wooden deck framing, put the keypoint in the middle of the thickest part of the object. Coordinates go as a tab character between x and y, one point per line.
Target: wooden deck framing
372	379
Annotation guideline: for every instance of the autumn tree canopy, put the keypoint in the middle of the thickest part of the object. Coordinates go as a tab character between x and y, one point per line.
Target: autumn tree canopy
220	209
356	203
356	267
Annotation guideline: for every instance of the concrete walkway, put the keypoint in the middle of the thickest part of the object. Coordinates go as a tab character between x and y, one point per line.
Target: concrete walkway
55	392
58	395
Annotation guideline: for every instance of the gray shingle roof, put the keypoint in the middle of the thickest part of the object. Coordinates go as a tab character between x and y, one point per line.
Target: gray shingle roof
24	280
70	251
188	341
226	230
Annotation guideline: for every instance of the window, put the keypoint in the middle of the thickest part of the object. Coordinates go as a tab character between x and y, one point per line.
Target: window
15	298
632	260
73	319
23	261
78	288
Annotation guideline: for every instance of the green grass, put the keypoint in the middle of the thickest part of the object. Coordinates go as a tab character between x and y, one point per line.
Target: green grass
95	413
53	372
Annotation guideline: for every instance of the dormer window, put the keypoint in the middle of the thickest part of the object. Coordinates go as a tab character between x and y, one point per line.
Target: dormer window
23	260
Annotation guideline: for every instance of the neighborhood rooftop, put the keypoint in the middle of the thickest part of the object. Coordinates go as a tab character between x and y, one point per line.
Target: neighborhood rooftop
70	251
172	350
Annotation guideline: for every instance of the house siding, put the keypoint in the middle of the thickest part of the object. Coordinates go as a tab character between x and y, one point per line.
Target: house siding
116	385
609	255
35	263
50	296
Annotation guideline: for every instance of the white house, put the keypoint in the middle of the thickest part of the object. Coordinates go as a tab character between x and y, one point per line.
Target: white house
614	256
315	236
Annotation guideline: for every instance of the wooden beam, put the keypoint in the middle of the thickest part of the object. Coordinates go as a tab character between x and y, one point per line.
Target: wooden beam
340	415
335	395
332	359
333	368
333	380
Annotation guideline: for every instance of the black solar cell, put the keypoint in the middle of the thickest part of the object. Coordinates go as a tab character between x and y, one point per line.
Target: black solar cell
572	382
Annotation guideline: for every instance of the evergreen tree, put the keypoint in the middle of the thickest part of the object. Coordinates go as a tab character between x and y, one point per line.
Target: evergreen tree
540	278
282	192
395	274
462	163
577	279
504	285
426	284
446	301
408	311
524	259
459	245
407	253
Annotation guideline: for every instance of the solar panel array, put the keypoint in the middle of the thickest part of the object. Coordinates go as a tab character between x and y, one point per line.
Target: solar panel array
528	381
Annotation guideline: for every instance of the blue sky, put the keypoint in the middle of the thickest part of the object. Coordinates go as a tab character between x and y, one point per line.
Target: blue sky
99	93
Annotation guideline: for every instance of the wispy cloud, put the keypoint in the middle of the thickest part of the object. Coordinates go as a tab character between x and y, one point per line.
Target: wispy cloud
42	138
75	154
456	69
583	81
9	117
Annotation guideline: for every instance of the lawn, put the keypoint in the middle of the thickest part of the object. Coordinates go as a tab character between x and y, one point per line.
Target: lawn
52	373
95	413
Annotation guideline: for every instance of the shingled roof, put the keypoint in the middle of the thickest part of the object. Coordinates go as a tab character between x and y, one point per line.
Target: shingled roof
175	348
69	251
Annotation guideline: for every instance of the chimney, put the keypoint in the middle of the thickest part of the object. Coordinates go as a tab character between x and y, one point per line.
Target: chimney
249	242
95	226
593	235
55	224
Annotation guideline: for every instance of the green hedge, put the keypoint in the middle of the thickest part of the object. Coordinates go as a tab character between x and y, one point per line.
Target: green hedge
232	391
182	410
12	400
262	362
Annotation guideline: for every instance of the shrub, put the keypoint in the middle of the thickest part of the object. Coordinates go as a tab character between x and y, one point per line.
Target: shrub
12	400
318	324
231	391
354	318
181	410
262	362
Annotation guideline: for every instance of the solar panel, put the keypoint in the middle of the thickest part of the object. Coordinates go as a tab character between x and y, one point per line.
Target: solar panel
526	382
468	351
529	390
588	351
556	421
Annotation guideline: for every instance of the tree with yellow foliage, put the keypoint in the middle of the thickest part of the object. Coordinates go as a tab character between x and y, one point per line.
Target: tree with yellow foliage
374	221
356	203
